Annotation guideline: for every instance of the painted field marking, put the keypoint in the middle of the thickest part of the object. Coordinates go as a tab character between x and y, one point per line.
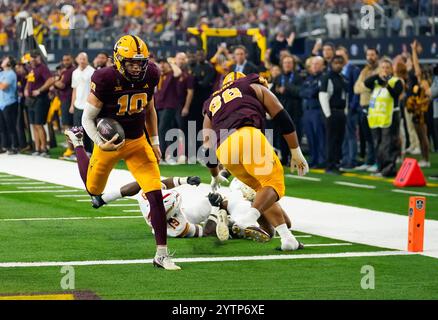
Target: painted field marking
122	205
336	244
42	187
355	185
300	236
70	218
21	183
40	191
5	176
83	200
72	195
14	179
415	192
206	259
132	211
303	178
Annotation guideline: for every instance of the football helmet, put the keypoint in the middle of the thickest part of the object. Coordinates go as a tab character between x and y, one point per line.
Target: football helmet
172	202
232	76
131	49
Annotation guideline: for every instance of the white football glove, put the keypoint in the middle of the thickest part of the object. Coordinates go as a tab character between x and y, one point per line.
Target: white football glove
217	181
299	162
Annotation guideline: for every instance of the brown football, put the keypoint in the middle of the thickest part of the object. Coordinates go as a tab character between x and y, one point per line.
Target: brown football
107	128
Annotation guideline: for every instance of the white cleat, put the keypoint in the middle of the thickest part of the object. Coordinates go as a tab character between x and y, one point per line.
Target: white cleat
291	245
75	136
165	262
222	231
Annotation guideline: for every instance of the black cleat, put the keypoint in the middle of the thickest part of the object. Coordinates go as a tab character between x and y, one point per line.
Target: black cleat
97	202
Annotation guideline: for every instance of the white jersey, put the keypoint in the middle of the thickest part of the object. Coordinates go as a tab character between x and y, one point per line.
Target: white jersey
195	209
181	222
177	224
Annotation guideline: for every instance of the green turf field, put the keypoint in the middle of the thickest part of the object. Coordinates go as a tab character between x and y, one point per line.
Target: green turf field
53	226
382	198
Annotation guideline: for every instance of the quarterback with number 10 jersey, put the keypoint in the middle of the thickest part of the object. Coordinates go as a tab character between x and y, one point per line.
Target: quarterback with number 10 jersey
124	101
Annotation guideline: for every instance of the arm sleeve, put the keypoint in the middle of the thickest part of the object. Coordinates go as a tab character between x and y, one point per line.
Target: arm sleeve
397	90
324	84
369	82
88	122
324	101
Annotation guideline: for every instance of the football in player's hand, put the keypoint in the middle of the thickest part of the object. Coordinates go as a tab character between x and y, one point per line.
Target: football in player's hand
107	128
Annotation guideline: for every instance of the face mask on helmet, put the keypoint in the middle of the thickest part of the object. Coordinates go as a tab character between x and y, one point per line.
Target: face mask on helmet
134	69
172	203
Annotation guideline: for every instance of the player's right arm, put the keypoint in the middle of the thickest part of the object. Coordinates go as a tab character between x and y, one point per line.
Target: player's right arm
283	120
91	111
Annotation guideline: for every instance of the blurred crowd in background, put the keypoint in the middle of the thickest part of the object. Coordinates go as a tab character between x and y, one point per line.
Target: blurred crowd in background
331	101
85	24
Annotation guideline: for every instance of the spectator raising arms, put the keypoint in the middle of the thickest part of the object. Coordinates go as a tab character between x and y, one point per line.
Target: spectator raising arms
418	104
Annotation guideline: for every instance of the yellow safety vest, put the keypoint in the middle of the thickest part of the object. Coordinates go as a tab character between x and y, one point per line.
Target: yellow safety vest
381	106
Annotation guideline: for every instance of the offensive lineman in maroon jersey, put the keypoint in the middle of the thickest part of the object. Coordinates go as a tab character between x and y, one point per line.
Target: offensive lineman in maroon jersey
124	93
236	113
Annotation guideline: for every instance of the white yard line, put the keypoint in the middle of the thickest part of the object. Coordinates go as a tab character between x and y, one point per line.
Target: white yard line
70	218
5	176
13	180
303	178
415	192
87	200
122	205
21	183
337	244
355	185
206	259
300	236
72	196
43	187
40	191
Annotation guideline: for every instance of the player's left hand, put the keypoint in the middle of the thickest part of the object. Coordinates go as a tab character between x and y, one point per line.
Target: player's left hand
215	199
299	162
157	151
217	181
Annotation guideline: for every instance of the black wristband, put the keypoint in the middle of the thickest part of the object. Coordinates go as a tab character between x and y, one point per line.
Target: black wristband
284	122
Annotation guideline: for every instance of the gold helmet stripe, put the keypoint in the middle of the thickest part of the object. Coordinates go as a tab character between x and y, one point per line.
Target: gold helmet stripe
136	43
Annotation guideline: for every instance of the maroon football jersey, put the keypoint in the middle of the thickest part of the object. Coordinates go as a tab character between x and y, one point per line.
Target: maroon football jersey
125	101
235	106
